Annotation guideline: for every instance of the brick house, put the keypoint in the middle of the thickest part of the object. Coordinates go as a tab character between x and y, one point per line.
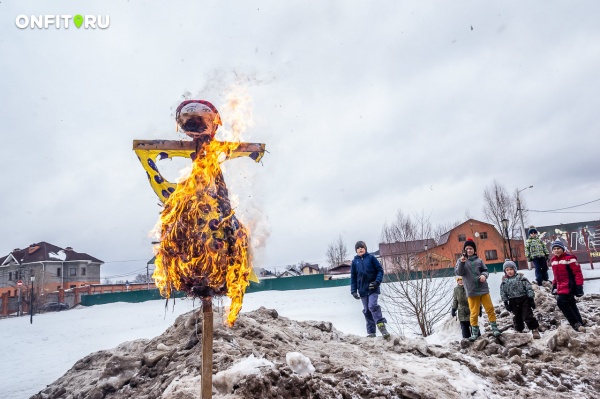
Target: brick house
491	247
53	267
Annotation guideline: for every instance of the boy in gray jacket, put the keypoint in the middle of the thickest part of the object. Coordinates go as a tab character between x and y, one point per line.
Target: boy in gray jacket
475	274
518	297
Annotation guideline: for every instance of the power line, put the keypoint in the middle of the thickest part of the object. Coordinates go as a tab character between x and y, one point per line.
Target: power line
569	207
563	212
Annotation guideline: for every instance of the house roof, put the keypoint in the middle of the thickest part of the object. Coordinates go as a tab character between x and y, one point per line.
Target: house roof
444	237
405	247
45	252
314	267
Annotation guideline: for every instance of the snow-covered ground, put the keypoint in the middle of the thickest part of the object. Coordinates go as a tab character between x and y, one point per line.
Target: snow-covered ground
36	354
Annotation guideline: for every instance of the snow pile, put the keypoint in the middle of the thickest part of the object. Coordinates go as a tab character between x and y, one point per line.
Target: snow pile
225	380
269	356
299	363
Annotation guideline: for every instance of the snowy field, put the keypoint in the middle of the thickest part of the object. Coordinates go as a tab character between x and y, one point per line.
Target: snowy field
37	354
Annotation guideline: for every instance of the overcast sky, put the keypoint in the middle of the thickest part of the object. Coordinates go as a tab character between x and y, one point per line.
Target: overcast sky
366	108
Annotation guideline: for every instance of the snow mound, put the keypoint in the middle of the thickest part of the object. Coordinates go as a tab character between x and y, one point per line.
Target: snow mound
268	356
299	363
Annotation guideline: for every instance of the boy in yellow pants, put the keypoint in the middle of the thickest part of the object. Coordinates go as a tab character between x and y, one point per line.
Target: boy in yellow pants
475	274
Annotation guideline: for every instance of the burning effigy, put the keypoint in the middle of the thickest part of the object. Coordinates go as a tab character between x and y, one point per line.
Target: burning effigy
204	249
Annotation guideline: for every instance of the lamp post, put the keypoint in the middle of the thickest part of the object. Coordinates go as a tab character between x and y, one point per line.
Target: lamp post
585	232
505	225
31	300
520	209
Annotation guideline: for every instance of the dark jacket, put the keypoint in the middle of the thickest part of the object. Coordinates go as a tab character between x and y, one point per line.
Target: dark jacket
515	287
364	270
470	271
565	280
460	303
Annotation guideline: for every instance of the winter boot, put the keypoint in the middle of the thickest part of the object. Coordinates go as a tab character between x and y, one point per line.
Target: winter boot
383	330
494	328
474	333
371	335
535	333
579	327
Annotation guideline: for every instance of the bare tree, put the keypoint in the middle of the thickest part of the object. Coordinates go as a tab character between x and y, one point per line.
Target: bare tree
337	252
498	205
416	298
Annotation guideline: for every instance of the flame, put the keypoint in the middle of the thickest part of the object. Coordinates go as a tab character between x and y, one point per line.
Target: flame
204	250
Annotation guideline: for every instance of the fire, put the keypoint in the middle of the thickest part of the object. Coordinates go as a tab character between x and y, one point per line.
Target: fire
204	250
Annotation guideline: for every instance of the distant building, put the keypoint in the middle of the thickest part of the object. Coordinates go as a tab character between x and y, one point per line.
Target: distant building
492	247
396	255
340	269
310	269
53	268
290	273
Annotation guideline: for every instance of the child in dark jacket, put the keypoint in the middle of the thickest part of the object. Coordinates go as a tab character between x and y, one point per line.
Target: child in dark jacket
567	284
518	297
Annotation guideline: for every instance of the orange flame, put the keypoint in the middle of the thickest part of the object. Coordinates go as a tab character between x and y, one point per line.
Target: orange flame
203	248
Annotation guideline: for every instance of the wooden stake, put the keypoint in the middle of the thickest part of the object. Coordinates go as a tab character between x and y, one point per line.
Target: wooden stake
207	347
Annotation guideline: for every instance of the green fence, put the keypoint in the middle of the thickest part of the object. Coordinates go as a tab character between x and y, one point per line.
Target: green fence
276	284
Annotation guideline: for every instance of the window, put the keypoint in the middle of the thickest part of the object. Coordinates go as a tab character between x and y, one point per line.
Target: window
72	272
9	276
72	286
491	255
58	271
483	236
83	271
462	238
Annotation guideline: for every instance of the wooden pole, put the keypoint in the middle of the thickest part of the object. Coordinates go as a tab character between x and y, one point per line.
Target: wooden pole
207	347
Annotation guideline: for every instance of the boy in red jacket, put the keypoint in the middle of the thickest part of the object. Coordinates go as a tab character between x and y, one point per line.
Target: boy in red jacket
567	284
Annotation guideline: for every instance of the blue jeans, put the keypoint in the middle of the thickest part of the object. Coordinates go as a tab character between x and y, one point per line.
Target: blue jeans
372	312
541	270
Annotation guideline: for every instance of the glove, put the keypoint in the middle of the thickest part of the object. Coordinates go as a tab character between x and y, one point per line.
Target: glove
554	290
507	306
579	290
531	303
453	312
355	295
373	285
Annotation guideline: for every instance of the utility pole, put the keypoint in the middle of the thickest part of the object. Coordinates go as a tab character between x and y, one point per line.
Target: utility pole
520	209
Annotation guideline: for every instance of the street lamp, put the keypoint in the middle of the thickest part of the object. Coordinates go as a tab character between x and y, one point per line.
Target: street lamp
31	300
505	225
523	224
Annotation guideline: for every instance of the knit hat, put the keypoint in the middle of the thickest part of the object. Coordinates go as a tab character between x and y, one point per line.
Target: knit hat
470	243
360	244
509	263
532	230
559	243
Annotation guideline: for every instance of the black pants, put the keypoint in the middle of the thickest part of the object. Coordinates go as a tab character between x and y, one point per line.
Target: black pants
567	304
465	328
541	270
523	314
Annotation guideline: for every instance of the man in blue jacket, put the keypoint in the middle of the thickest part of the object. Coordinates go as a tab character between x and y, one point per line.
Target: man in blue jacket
366	275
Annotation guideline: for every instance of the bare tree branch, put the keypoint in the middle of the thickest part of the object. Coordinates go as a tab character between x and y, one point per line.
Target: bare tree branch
416	299
337	252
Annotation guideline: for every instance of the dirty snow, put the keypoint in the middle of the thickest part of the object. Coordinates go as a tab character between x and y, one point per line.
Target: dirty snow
45	350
